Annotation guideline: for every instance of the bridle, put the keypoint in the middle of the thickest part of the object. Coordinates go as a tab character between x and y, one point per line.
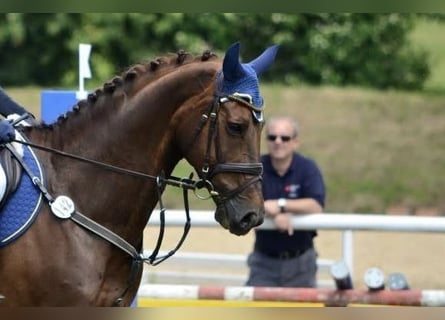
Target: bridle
208	172
64	208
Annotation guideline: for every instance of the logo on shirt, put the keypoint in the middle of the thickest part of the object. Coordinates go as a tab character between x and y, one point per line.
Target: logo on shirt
292	190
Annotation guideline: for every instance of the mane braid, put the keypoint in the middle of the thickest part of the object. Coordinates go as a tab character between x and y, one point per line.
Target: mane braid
181	56
130	75
207	55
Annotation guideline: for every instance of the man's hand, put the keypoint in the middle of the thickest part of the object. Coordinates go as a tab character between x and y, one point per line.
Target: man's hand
271	207
283	222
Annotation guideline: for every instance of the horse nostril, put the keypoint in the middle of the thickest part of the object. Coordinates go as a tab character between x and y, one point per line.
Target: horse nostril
249	220
245	224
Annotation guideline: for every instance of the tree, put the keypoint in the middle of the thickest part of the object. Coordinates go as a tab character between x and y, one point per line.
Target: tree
339	49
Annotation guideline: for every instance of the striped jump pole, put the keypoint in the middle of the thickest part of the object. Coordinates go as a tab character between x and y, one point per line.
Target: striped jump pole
327	297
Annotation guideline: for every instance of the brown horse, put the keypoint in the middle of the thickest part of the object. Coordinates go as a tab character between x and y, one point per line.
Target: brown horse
105	163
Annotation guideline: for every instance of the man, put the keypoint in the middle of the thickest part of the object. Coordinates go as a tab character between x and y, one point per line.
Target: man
292	185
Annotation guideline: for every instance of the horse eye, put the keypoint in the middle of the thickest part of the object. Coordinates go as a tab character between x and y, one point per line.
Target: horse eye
235	128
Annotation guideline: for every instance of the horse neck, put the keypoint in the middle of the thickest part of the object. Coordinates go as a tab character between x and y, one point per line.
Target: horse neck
132	130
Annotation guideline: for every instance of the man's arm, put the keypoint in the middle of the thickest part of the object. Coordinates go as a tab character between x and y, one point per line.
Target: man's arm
294	206
303	206
9	106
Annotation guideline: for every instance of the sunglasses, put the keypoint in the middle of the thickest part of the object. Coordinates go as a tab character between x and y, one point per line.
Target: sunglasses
273	137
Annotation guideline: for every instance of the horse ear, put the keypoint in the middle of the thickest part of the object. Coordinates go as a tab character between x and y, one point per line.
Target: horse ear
232	68
263	62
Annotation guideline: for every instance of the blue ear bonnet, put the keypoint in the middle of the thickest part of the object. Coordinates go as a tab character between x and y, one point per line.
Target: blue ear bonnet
247	84
242	78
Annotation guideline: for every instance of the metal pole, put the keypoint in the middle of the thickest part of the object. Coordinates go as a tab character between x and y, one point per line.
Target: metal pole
347	250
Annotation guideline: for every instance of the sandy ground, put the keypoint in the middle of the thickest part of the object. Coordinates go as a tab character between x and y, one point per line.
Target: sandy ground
420	256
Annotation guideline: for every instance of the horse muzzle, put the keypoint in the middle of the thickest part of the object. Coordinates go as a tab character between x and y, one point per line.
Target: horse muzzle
236	219
239	214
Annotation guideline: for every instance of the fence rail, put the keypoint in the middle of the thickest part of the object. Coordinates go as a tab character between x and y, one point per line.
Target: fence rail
321	221
347	223
328	297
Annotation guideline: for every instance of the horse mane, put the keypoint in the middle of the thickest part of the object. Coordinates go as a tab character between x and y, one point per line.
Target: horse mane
128	79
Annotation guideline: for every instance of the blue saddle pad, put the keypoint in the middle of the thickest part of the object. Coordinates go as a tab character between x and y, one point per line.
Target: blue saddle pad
23	205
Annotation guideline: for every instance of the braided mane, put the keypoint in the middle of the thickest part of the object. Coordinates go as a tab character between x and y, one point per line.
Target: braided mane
127	81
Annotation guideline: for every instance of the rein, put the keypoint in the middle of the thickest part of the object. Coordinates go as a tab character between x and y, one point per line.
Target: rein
63	207
54	203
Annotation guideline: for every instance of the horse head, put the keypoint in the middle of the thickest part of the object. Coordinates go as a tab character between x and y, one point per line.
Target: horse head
226	153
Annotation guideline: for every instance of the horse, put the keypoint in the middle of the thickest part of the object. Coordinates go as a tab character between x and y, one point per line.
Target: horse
102	167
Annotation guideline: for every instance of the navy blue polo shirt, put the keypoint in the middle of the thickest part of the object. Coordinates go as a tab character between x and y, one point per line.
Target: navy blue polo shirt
302	180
